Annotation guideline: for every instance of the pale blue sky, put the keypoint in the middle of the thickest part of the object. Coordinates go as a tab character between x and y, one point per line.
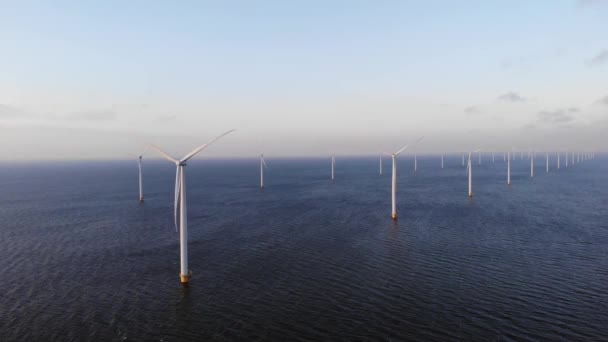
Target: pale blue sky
97	79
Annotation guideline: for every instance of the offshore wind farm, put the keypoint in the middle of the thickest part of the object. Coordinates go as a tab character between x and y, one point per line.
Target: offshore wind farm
348	183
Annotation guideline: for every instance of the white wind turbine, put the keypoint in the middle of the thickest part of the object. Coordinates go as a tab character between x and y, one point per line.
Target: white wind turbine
141	187
380	164
262	166
180	201
547	156
394	179
442	160
470	173
509	168
558	166
333	162
531	164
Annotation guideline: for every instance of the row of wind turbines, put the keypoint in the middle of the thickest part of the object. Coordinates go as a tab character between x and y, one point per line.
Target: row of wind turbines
180	198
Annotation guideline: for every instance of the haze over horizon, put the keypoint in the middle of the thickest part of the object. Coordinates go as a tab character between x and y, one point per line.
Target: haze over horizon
101	80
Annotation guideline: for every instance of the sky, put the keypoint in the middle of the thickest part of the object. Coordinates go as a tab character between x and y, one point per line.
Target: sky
102	79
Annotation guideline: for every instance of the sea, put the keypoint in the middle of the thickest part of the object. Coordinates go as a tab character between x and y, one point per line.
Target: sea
307	258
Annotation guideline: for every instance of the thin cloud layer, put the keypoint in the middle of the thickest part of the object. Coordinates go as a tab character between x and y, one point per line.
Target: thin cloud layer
557	116
471	110
511	97
603	101
599	59
7	111
102	115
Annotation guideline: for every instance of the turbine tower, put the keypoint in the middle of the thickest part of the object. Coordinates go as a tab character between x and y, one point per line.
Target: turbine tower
262	166
509	168
333	162
180	202
141	187
532	166
394	179
470	173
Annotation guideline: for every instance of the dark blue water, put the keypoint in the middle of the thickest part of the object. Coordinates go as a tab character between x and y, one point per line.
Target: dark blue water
307	259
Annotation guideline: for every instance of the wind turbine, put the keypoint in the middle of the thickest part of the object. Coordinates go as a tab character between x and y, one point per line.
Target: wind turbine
180	201
141	187
470	173
532	166
558	160
509	168
333	162
573	160
381	164
547	156
394	179
566	159
442	160
262	166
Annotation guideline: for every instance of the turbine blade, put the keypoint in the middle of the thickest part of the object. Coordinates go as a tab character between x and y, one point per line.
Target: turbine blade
401	150
417	141
165	155
144	152
197	150
264	162
177	195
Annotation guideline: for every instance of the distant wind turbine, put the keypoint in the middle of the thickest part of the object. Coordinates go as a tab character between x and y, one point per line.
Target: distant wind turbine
509	168
442	160
394	179
180	201
531	166
141	187
470	173
333	162
547	156
558	160
380	164
262	166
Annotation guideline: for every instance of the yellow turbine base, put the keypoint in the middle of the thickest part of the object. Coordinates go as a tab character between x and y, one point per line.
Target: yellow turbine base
184	278
394	216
